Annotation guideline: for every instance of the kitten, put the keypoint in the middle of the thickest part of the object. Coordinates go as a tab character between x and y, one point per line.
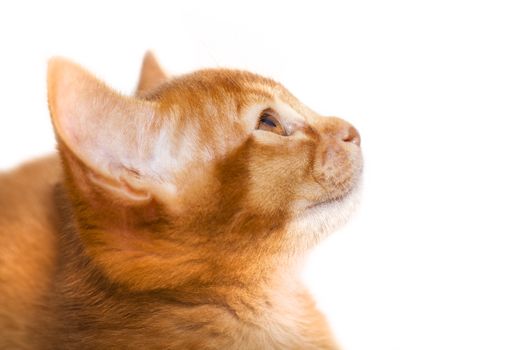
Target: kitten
175	219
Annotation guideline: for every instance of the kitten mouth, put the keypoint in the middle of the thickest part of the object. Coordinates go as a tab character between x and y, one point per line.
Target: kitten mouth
353	185
344	189
334	199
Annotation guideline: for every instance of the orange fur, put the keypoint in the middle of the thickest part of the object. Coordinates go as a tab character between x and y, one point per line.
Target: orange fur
152	75
173	221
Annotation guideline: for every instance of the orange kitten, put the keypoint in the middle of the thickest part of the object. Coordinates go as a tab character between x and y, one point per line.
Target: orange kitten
175	219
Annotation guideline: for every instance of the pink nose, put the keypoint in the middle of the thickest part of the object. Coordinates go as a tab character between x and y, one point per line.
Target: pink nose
343	130
350	134
340	130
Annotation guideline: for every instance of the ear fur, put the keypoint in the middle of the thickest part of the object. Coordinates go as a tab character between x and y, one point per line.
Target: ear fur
110	134
152	75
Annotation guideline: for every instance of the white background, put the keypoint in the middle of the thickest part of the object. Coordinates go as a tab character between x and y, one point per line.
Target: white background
432	259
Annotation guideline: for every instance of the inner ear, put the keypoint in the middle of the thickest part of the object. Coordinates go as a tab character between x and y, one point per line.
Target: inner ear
122	188
111	134
152	75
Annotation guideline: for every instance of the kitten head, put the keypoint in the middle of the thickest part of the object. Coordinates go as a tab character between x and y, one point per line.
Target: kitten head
221	166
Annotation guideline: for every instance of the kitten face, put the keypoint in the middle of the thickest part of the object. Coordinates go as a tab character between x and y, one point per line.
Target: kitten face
286	161
220	165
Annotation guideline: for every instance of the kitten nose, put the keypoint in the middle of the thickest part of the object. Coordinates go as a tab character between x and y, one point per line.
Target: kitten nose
340	130
350	134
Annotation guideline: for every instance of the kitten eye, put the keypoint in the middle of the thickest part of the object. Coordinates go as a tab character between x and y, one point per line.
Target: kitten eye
268	122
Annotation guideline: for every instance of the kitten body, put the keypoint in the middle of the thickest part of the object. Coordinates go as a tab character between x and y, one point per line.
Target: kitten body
176	219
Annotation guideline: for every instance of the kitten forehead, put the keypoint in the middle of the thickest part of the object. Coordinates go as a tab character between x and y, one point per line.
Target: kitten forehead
219	80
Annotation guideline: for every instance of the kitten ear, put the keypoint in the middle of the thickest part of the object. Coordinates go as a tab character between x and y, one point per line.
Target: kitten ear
108	133
152	75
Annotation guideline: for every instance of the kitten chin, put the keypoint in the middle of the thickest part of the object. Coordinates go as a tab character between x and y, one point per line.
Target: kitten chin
316	222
